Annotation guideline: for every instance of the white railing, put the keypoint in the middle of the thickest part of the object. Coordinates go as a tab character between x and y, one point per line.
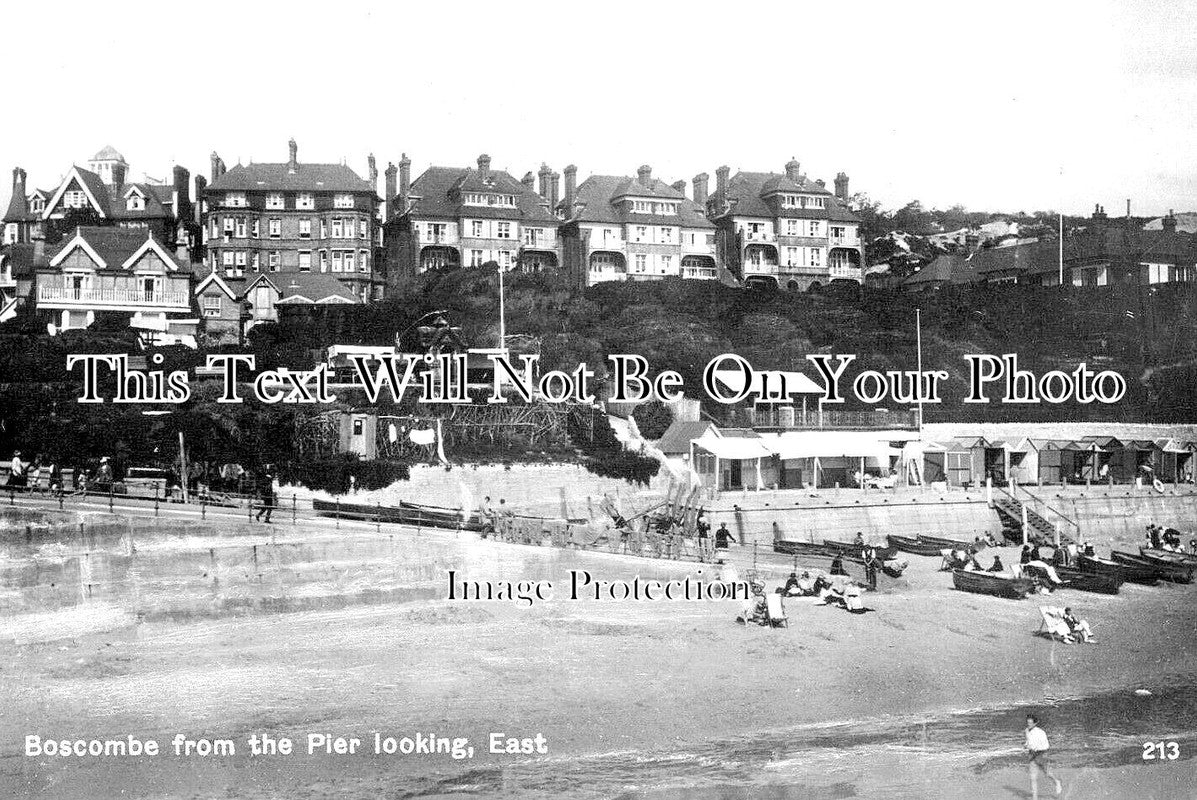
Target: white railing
438	238
760	268
112	297
613	245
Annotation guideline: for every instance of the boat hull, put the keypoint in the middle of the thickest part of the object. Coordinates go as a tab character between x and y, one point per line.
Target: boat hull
1127	572
915	547
992	584
1177	573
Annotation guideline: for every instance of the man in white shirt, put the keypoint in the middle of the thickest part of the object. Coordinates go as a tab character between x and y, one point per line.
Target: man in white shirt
1037	748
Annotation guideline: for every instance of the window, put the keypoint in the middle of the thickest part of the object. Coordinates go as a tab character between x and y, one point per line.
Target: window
667	209
305	229
642	207
793	258
323	228
667	235
476	228
276	228
239	232
666	264
349	261
275	260
474	200
362	232
235	199
274	200
814	228
363	258
816	257
358	426
211	306
343	201
337	258
338	228
305	260
324	261
226	258
792	227
475	258
837	231
135	202
229	225
641	262
304	201
504	230
531	235
641	233
37	205
505	260
256	260
255	228
240	258
215	227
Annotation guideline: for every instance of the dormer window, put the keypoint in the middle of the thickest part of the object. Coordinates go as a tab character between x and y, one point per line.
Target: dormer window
75	198
343	201
37	205
274	200
235	199
305	201
135	202
642	207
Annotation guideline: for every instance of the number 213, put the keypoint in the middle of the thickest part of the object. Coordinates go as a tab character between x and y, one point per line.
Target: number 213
1161	751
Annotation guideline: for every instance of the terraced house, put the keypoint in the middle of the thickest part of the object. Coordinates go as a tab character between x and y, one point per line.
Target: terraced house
785	230
455	216
622	228
294	218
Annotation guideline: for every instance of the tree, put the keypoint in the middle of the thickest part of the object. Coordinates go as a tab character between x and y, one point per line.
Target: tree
653	419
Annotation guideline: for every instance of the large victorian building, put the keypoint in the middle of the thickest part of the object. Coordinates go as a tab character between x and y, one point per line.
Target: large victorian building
784	230
294	218
623	228
454	216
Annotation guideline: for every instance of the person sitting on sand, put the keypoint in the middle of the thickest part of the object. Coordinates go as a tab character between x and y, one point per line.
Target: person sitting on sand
1089	551
837	565
1079	627
793	587
756	610
997	565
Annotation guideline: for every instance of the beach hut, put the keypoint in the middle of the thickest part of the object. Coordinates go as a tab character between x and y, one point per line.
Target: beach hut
1114	457
1141	455
956	462
1038	461
1173	460
728	460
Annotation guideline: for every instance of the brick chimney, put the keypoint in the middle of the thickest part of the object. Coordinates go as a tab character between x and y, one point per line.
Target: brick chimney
1170	222
529	181
546	176
555	192
217	166
571	184
293	157
201	185
822	184
404	177
181	194
119	168
18	181
484	166
700	188
841	186
793	169
721	178
680	186
389	184
372	170
644	175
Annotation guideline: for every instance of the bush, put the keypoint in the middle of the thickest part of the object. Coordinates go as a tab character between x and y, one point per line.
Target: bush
653	418
332	475
606	456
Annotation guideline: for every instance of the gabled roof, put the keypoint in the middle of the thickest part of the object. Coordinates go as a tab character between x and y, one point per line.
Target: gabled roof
215	280
438	194
679	434
595	202
306	288
278	177
109	153
746	193
938	271
114	248
90	183
155	205
18	209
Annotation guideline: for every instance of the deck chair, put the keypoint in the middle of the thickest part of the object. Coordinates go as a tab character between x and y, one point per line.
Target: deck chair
1053	626
776	611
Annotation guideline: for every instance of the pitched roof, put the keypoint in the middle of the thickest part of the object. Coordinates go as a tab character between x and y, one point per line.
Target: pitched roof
746	193
938	271
278	177
18	209
306	288
595	198
113	245
679	434
20	258
438	192
109	153
155	205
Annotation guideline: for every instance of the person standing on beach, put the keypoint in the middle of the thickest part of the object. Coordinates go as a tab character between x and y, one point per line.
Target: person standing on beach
723	540
1037	747
267	494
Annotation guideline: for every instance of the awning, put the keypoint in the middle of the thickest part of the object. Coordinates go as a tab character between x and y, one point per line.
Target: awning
733	447
829	444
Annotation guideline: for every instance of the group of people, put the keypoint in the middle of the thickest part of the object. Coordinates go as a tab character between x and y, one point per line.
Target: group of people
1066	555
29	474
1160	538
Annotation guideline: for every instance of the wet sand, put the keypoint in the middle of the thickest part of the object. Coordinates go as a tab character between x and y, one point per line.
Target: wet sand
653	679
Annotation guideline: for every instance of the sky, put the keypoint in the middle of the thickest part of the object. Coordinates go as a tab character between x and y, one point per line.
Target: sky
1017	106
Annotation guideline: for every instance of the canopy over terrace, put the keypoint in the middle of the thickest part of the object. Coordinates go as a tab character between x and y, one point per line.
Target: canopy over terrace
826	458
731	459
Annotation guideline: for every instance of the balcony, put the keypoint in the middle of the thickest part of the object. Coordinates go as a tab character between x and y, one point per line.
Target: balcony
844	241
760	268
767	237
609	245
446	237
116	299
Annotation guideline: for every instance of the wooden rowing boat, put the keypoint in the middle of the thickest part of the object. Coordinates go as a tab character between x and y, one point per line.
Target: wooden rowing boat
918	547
954	544
1171	556
853	550
992	583
403	514
795	547
1177	573
1127	572
1089	581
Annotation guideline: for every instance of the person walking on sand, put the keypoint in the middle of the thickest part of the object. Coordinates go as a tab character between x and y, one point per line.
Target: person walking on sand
723	539
1037	747
267	494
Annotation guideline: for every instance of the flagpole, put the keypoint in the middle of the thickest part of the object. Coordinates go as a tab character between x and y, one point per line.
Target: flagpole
918	333
502	314
1061	248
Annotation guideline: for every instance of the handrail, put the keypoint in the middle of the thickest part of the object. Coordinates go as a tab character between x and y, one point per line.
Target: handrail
1047	507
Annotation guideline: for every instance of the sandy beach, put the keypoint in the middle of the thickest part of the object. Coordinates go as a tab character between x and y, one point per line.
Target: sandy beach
608	684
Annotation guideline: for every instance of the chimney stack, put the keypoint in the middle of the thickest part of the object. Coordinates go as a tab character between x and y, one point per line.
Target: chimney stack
841	186
529	182
721	176
793	169
1170	222
1099	218
182	196
404	177
293	160
556	190
571	184
18	181
201	185
217	166
546	176
644	175
700	188
484	166
822	184
372	169
389	187
679	186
